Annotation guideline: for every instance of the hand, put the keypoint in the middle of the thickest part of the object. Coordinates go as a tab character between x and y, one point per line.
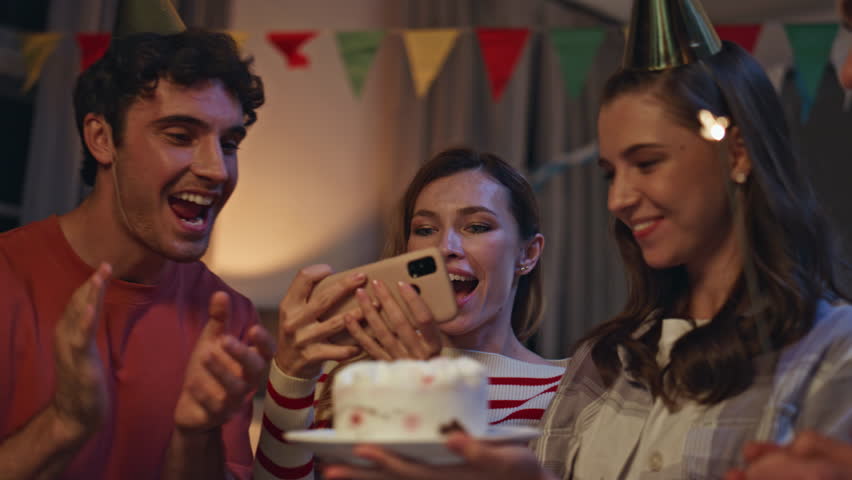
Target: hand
81	400
303	341
483	460
222	371
809	456
392	335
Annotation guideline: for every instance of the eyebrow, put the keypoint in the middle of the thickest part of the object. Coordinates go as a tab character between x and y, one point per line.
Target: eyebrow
464	211
631	150
239	130
639	146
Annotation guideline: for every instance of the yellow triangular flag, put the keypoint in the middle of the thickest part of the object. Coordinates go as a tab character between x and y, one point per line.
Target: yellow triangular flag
36	47
427	51
238	36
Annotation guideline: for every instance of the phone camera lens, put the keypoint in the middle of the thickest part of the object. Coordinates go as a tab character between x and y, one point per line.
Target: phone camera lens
422	266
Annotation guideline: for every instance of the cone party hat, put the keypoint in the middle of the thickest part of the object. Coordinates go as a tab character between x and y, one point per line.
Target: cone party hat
154	16
665	34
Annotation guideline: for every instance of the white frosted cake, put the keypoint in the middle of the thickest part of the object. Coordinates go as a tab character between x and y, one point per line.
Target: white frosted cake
410	399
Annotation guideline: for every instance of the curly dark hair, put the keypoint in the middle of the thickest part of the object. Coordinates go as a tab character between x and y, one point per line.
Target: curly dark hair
133	65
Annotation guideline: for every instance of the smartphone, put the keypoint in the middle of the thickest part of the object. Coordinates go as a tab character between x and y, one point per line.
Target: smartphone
423	269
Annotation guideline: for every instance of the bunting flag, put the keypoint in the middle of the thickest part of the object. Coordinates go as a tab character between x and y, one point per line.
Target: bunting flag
290	44
358	49
577	49
776	46
427	51
92	47
36	48
773	52
238	36
811	45
501	48
743	35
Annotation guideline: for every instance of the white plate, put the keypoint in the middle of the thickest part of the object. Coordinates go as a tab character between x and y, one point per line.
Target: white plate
332	447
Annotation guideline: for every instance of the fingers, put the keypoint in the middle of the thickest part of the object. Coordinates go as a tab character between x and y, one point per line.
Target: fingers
398	322
735	475
321	331
380	331
260	339
228	374
304	283
324	300
320	352
223	374
85	307
389	465
430	335
754	450
367	342
813	445
219	312
507	460
472	450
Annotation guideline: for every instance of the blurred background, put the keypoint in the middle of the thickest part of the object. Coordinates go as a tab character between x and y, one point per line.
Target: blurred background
324	165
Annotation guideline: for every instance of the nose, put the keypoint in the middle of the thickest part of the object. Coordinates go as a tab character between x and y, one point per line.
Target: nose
210	162
846	72
451	244
622	194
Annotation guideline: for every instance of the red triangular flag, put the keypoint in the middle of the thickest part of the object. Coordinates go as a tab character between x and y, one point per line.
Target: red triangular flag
92	47
744	35
501	49
289	43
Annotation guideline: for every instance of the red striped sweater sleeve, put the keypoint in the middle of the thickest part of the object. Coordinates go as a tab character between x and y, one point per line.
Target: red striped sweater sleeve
288	405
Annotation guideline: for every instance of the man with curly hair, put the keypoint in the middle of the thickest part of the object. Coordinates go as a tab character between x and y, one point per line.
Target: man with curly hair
121	354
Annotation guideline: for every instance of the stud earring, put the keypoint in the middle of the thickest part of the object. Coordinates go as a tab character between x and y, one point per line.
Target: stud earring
740	177
524	268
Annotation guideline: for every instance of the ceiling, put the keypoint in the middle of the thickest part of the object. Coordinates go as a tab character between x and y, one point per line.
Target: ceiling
735	11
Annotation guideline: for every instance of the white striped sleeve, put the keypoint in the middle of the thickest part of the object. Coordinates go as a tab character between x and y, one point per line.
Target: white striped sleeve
289	405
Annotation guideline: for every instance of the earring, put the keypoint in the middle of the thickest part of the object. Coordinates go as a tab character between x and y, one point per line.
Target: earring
740	177
524	268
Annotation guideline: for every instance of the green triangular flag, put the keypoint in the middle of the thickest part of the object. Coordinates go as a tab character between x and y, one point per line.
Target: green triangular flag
358	50
577	49
811	45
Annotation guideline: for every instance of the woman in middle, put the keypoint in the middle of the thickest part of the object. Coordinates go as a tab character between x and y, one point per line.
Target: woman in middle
483	216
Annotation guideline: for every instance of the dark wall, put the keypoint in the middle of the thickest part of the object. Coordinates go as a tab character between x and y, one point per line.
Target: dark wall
825	142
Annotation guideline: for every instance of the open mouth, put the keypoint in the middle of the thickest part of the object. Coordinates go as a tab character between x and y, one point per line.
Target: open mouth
191	208
463	286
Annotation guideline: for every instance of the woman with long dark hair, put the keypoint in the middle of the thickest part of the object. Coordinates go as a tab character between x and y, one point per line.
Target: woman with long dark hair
735	327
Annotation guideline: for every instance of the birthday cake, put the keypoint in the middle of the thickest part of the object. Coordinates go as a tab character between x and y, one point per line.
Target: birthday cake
409	399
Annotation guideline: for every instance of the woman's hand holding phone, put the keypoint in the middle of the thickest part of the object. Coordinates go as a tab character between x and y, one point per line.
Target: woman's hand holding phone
395	331
303	340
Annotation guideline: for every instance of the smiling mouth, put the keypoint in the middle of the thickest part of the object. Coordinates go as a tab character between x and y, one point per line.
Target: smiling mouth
191	208
643	229
463	285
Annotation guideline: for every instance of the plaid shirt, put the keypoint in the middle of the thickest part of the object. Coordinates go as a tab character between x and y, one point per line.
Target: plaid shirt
807	385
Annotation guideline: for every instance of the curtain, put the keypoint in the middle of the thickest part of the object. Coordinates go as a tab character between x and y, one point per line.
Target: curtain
52	183
533	125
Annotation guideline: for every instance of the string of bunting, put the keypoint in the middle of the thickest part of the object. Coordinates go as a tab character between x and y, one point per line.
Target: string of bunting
808	48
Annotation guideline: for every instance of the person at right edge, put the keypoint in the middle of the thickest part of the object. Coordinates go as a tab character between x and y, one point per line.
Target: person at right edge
735	329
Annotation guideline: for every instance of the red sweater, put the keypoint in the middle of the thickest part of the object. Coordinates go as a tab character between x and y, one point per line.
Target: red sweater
145	337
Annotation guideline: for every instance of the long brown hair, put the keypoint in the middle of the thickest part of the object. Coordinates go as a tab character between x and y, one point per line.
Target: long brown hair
527	306
787	241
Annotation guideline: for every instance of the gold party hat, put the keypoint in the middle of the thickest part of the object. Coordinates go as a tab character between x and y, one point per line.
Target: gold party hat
154	16
668	33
